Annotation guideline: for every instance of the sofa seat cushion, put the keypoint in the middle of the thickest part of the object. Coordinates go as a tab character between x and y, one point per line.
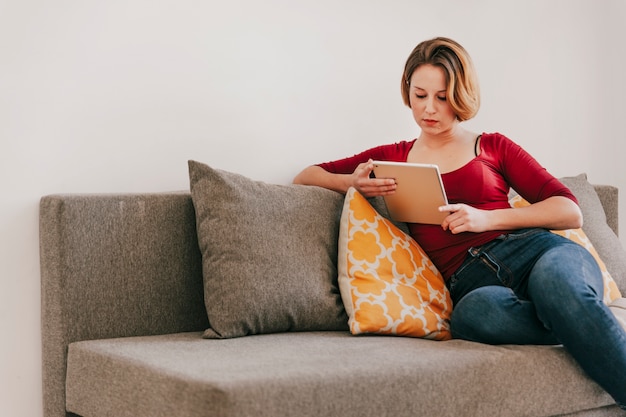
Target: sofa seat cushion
322	374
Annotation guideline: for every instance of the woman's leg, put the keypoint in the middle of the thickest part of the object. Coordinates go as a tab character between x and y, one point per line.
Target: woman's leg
566	288
495	315
487	307
539	288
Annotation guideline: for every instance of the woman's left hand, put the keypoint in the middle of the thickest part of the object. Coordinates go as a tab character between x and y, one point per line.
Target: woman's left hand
464	218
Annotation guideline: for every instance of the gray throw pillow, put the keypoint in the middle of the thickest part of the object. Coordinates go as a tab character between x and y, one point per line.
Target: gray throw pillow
605	241
269	254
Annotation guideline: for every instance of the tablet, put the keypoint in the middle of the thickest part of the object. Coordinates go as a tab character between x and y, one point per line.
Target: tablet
419	192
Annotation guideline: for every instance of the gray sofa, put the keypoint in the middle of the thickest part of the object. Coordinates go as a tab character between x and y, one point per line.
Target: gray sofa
132	326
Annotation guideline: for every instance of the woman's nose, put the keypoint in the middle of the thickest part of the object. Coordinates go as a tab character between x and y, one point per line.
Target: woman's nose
430	106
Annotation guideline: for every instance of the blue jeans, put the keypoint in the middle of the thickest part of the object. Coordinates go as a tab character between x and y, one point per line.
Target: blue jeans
535	287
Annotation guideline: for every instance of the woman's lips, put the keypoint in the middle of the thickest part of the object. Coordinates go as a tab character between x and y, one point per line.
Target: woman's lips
430	122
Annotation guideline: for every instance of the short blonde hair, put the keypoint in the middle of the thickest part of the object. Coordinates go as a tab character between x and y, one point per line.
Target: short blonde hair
462	83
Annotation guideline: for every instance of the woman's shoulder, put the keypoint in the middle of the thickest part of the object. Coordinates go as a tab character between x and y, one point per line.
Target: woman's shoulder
403	144
397	151
495	140
493	136
498	148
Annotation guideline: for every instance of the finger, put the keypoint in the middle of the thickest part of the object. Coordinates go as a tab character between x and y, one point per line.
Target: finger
458	228
380	186
369	166
365	169
446	224
385	182
450	208
452	221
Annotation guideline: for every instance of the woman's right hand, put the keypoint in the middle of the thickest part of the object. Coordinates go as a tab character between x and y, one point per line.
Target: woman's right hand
371	187
359	179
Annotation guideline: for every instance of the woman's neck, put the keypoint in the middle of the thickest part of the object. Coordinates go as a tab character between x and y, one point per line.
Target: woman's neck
441	139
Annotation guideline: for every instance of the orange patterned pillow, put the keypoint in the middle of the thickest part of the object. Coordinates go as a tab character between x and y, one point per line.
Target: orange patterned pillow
611	292
388	285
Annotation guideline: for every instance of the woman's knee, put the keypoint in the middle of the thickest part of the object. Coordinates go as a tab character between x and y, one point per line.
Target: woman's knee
496	315
567	268
476	316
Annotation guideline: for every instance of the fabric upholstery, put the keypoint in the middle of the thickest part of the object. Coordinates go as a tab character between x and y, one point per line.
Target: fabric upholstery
609	197
113	266
269	254
595	226
388	284
322	374
129	265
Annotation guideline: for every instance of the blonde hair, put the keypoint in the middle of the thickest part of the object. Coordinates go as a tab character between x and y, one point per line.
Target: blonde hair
463	93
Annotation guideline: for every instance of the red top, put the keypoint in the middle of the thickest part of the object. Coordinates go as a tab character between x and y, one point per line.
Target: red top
484	183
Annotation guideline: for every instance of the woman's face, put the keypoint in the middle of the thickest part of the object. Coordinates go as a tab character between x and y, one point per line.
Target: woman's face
429	101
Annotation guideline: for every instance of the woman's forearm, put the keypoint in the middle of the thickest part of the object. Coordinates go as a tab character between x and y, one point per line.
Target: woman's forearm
553	213
315	175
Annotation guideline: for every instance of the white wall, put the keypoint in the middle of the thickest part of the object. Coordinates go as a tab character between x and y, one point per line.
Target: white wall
115	96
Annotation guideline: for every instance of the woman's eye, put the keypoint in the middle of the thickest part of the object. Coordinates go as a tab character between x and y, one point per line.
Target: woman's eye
423	96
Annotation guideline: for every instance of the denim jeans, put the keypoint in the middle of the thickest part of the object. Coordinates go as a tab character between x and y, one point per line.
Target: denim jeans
535	287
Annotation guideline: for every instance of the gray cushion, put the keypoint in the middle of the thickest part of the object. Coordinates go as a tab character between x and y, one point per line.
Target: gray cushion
269	254
597	230
322	374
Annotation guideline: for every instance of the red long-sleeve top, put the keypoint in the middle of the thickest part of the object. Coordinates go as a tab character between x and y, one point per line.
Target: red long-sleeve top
483	183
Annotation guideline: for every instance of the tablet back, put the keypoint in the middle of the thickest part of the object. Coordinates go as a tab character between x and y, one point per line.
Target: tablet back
419	192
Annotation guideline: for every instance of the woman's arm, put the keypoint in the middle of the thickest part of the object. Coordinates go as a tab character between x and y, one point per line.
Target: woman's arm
359	179
552	213
315	175
553	205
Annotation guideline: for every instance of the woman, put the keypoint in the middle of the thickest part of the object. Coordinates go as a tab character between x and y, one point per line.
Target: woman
511	280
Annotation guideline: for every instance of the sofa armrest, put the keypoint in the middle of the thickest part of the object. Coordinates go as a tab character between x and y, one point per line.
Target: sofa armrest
114	266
